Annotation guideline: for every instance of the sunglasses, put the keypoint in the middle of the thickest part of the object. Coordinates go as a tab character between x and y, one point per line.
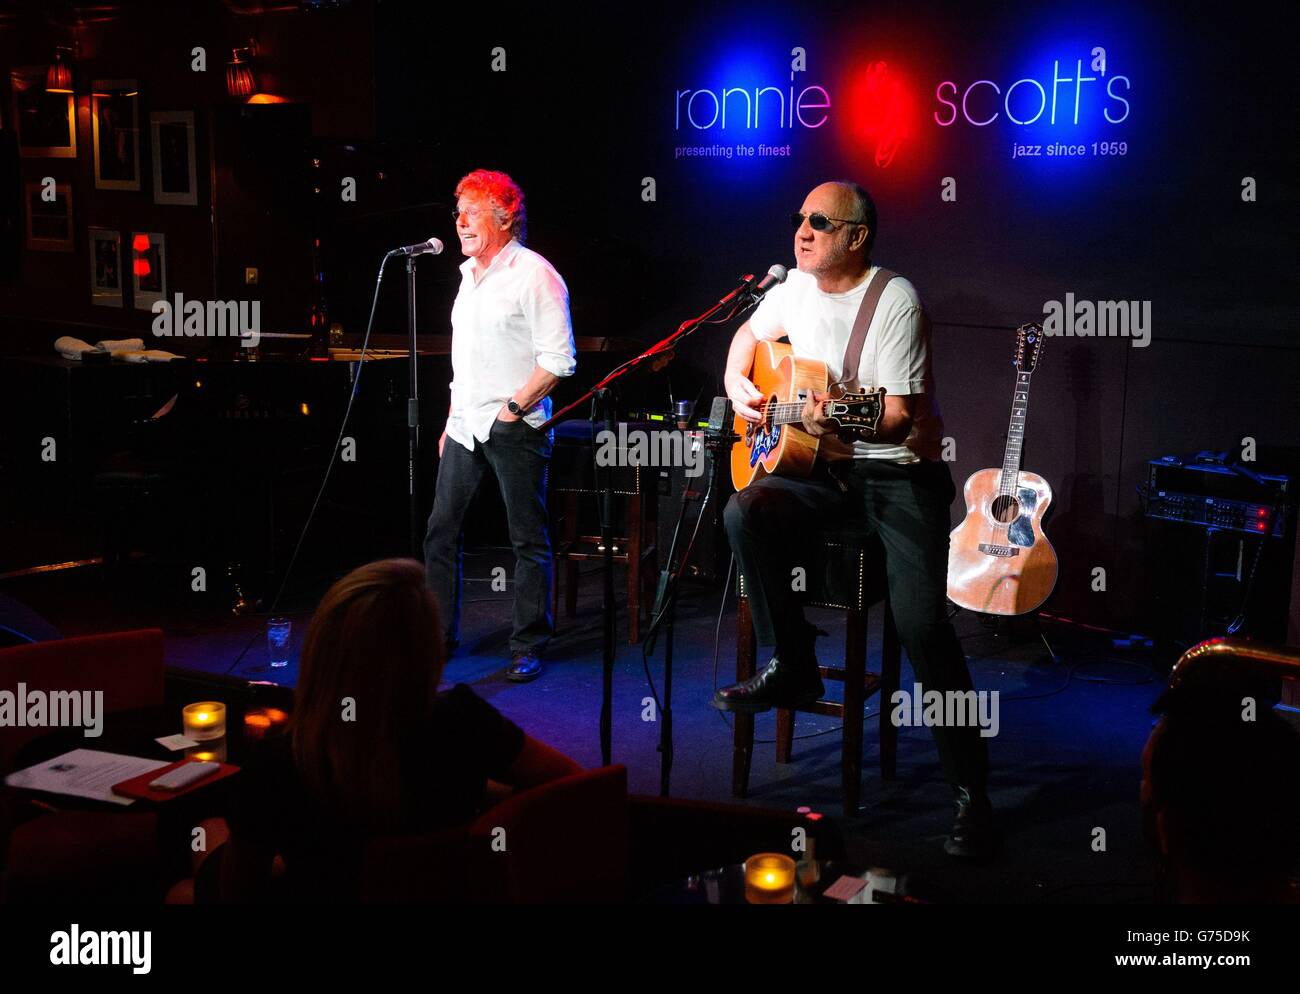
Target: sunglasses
818	221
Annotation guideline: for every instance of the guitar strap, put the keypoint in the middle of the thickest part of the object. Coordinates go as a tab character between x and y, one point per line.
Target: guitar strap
862	323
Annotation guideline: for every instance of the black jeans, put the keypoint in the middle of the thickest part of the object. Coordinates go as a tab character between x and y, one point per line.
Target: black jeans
771	522
518	455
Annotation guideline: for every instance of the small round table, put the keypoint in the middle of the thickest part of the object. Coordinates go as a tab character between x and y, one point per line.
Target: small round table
726	885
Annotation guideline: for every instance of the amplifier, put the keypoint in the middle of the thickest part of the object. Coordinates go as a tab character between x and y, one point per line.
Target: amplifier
1227	574
1214	496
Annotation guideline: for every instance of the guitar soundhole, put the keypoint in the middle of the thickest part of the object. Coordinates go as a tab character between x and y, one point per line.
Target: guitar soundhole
1005	509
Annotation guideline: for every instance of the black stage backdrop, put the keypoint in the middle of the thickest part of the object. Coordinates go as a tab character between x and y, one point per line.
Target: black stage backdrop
1017	154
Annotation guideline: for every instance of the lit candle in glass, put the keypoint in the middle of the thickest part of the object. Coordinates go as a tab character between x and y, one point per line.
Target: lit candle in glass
204	721
258	722
769	879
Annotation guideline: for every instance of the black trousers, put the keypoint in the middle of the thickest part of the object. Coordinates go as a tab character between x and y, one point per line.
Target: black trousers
517	453
770	524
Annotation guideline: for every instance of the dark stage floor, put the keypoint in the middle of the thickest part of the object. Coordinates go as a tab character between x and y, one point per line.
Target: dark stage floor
1066	761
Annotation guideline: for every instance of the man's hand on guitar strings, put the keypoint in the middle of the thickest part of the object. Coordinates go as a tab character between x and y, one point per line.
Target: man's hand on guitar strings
815	422
743	396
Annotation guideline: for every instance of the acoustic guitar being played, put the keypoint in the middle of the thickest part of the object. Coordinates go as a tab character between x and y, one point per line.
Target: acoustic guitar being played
778	444
999	560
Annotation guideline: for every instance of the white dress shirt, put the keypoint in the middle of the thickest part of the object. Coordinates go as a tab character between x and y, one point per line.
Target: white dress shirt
512	318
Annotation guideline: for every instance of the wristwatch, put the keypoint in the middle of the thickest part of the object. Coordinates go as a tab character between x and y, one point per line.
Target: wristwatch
514	408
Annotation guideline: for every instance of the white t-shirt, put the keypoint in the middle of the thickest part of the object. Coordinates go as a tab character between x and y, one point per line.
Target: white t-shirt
896	355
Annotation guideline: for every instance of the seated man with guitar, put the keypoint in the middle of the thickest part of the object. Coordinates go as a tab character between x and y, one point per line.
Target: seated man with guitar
867	326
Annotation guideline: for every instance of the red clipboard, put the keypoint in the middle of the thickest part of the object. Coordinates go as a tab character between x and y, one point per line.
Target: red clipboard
138	787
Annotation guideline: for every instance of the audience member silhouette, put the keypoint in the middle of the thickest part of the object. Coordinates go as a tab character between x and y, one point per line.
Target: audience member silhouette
1221	796
371	748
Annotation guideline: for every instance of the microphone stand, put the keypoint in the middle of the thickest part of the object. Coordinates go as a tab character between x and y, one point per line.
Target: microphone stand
413	417
603	395
664	611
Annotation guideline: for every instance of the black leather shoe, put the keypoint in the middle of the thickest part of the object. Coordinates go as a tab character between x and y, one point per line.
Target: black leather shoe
973	837
524	666
778	684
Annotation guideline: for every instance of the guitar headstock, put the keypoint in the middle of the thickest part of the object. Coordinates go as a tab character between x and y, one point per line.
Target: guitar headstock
857	413
1029	346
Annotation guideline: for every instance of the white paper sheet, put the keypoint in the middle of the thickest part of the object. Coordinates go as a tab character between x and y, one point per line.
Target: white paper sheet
84	773
176	742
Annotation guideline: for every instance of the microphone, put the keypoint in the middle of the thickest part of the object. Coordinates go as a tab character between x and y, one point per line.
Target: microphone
746	284
432	247
775	275
748	288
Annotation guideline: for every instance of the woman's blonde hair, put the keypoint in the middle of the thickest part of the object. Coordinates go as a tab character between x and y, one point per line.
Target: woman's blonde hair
368	677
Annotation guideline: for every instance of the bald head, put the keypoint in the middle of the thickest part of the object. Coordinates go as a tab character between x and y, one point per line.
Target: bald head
838	195
842	253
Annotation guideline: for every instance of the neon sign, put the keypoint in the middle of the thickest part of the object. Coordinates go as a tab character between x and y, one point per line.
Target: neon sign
879	108
981	109
744	112
744	97
787	113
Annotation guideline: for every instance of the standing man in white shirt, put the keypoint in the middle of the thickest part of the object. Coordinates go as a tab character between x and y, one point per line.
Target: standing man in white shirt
894	482
512	341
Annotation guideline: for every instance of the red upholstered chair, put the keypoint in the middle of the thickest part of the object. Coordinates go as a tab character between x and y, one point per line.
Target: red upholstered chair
87	857
565	841
126	666
82	855
562	842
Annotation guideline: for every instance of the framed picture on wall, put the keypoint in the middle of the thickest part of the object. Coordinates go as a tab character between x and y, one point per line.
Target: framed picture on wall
148	268
173	157
46	123
49	221
105	267
115	124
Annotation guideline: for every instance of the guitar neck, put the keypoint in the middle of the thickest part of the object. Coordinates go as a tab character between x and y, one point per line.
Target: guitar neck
1015	434
785	414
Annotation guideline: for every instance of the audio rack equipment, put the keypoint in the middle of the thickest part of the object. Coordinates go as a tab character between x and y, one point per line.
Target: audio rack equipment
1215	496
1220	542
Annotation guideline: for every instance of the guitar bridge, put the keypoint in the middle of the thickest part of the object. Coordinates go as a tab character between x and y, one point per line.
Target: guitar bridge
1002	551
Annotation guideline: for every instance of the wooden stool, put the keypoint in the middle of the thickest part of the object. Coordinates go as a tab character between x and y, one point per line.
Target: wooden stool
847	573
637	547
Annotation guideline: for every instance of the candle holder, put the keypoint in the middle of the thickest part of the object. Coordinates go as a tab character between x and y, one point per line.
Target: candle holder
204	721
208	752
260	722
769	879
